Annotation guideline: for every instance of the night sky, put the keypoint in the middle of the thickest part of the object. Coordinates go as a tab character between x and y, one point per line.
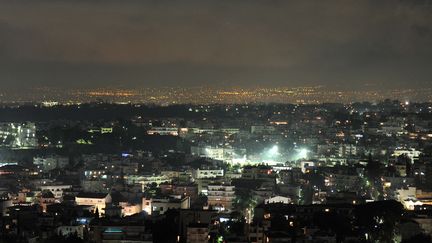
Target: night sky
125	43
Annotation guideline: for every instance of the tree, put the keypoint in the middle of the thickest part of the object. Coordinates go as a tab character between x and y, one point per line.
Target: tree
423	238
373	173
379	219
334	222
96	213
373	168
407	161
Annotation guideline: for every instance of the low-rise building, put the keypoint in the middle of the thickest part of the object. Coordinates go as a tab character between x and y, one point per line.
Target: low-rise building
68	230
197	233
160	205
56	190
50	162
207	173
97	200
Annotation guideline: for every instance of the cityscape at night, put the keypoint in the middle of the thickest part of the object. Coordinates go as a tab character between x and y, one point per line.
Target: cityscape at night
218	121
210	95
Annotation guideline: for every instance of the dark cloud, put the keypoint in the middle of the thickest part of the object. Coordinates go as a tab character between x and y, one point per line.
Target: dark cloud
266	43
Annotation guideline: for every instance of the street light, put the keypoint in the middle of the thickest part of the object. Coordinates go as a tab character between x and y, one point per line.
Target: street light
274	150
303	153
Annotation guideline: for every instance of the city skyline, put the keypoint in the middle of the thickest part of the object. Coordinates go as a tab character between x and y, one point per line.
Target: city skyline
211	95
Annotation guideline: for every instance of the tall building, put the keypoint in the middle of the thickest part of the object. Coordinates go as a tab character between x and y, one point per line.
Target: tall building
220	197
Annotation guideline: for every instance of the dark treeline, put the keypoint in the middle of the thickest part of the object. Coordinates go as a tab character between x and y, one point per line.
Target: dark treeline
88	112
109	111
104	111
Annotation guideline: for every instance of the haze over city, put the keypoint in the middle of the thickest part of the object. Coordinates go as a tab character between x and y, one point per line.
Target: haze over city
354	45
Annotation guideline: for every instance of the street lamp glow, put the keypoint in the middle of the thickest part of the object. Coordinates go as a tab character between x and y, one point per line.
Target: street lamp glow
274	150
303	153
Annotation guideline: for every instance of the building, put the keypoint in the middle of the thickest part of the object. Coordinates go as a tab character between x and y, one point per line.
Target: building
97	200
50	163
227	153
146	180
197	233
278	199
412	154
207	173
46	198
261	129
255	233
5	203
191	216
258	172
164	131
18	135
127	229
158	206
68	230
190	189
56	190
220	196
